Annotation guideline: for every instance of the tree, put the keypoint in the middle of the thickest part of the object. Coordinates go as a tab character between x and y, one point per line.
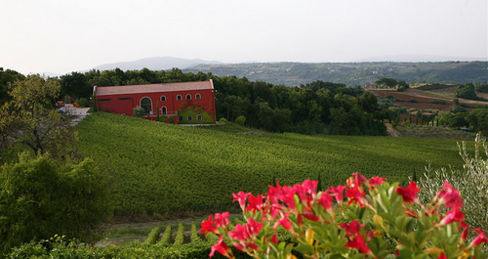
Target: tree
467	92
39	125
6	78
386	82
75	85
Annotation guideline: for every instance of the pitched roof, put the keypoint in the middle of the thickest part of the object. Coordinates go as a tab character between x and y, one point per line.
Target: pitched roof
153	88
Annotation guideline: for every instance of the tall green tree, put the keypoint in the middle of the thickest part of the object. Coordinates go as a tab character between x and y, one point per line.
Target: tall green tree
40	126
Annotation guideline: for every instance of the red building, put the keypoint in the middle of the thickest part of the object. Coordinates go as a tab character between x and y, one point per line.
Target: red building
184	102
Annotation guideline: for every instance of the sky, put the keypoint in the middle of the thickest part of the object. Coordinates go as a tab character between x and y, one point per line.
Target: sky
60	36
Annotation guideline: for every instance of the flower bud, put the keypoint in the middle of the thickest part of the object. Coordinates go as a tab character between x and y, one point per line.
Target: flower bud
433	250
378	220
309	236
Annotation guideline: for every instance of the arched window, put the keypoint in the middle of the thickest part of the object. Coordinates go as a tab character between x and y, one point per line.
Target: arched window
146	104
199	117
163	98
190	118
197	96
178	97
164	110
188	96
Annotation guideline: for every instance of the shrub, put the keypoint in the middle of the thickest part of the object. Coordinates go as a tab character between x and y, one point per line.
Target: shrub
83	102
166	239
375	220
180	234
240	120
40	198
223	120
472	182
194	233
153	236
139	111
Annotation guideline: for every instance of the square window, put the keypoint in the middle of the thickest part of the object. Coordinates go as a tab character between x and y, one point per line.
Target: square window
190	118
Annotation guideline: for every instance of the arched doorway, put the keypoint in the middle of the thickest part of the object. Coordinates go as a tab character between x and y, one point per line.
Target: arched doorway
146	104
164	110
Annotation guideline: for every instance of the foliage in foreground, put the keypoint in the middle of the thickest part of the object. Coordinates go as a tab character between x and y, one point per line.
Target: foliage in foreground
40	198
376	220
168	169
471	181
59	247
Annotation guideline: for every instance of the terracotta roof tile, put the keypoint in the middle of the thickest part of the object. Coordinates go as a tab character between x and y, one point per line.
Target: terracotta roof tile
153	88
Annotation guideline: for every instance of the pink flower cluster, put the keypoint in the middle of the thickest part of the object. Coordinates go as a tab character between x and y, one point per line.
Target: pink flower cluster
290	206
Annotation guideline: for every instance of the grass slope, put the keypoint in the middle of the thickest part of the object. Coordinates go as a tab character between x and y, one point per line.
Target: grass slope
170	169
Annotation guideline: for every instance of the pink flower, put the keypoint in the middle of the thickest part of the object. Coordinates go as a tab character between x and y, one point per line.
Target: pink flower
306	191
288	197
356	180
358	243
375	180
254	202
239	233
221	219
449	196
451	216
356	195
326	200
353	228
220	247
481	238
409	193
337	192
253	227
274	239
241	197
208	226
442	256
284	222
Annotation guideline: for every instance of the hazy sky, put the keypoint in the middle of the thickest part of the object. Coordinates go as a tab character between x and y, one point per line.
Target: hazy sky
61	36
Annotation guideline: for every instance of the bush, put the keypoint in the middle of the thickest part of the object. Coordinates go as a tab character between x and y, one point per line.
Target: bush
40	198
194	233
376	219
180	234
166	239
139	111
223	120
83	102
240	120
153	236
472	182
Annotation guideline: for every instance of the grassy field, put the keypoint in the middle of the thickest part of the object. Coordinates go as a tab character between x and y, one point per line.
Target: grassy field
171	170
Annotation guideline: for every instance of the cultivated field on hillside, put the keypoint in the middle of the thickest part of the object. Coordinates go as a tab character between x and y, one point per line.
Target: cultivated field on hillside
436	99
167	169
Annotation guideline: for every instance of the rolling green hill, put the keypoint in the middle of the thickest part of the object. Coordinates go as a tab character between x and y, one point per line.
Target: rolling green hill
170	169
292	73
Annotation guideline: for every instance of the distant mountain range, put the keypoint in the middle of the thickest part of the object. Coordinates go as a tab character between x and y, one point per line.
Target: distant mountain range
156	63
352	73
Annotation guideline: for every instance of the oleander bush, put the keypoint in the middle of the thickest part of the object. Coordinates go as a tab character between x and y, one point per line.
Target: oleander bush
375	219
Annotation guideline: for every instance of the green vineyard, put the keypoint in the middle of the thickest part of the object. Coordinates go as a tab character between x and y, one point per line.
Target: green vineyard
169	170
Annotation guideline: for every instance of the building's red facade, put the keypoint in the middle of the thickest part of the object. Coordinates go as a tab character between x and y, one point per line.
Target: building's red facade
194	99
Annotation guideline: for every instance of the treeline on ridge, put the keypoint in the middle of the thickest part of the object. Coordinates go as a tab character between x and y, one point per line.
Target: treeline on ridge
317	107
